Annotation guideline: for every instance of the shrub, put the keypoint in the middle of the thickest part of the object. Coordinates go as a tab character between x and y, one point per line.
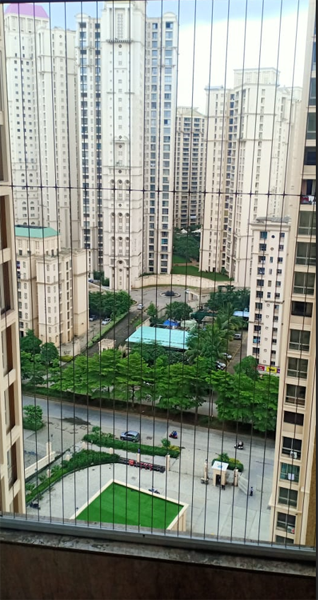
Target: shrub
232	462
166	443
107	441
67	358
31	425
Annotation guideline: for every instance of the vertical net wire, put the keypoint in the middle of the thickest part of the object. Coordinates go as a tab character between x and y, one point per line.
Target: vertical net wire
115	190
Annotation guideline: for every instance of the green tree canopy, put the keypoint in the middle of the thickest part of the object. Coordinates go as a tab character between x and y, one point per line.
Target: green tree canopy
149	352
245	400
109	304
30	343
187	245
49	353
152	312
179	311
248	366
239	299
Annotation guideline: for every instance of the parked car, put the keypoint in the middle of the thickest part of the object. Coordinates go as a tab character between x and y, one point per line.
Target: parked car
220	366
130	436
140	306
90	280
106	321
237	336
227	356
93	318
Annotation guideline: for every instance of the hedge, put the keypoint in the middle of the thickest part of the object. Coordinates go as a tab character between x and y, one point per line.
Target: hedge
32	425
233	464
67	358
106	440
79	460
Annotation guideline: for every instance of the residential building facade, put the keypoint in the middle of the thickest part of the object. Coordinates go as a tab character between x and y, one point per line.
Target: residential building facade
249	133
190	168
293	495
270	243
88	60
159	153
12	492
42	93
52	286
122	51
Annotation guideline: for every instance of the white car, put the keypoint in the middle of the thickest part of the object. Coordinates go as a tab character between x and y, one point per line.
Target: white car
140	306
227	356
106	321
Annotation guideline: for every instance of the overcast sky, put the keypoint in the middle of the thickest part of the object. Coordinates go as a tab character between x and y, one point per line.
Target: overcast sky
228	36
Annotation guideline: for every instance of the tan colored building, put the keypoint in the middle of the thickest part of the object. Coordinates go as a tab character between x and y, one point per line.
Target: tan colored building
270	247
52	286
293	495
190	166
12	494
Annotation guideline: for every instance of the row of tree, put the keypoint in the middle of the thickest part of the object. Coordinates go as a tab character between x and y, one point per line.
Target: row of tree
109	304
229	298
245	397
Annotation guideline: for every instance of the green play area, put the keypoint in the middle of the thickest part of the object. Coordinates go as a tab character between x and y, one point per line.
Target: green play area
122	505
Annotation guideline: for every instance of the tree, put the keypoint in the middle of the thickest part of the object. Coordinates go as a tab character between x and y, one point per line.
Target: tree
208	343
109	304
104	371
248	366
152	312
33	416
49	353
187	246
244	400
238	299
134	376
149	352
179	387
30	343
178	311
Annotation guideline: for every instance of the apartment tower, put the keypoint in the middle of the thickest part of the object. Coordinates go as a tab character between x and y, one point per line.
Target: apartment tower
159	151
190	168
249	134
42	93
12	493
293	494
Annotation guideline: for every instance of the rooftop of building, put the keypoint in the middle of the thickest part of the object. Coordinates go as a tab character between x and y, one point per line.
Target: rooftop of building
27	10
187	111
276	220
169	338
35	232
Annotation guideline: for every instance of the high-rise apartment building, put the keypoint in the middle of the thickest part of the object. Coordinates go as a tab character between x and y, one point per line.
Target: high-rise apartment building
249	130
190	168
89	70
270	243
52	286
159	152
122	49
42	92
293	495
12	493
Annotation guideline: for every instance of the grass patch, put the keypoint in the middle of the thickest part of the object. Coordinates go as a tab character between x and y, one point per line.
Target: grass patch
106	440
191	270
179	259
122	505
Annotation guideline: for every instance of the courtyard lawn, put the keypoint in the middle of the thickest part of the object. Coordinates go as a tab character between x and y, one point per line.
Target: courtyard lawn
178	260
191	270
125	506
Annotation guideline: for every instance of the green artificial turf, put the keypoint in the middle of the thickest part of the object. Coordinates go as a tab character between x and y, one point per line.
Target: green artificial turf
191	270
121	505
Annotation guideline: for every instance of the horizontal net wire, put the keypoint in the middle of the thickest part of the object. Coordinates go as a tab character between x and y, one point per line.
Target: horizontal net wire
156	141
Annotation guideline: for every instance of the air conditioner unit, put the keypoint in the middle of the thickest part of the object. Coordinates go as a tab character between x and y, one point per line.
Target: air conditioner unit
293	454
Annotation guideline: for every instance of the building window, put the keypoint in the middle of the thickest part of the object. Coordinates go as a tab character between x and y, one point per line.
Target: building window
292	447
288	497
286	522
297	367
301	309
299	340
311	126
304	283
295	394
294	418
310	157
289	472
307	223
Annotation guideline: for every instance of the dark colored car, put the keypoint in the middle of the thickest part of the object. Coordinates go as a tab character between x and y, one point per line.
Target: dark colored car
130	436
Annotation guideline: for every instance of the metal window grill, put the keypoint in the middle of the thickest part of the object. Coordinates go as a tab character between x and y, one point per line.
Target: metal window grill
160	152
